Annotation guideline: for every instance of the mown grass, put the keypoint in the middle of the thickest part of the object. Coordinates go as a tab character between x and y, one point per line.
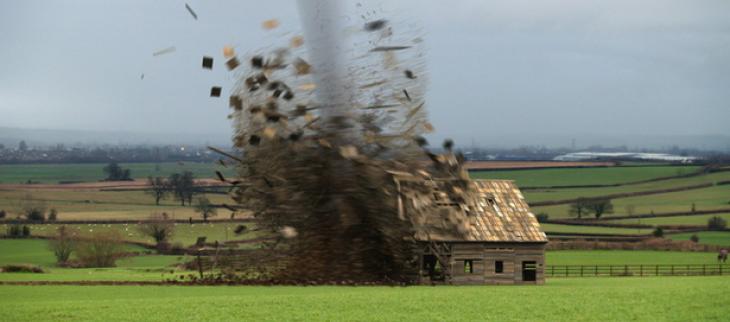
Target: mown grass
588	299
583	176
90	172
721	238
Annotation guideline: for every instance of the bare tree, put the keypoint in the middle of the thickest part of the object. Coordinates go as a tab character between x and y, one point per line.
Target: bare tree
158	188
63	244
158	226
100	250
205	208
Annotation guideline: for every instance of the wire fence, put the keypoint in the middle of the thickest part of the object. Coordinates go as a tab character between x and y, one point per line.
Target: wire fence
636	270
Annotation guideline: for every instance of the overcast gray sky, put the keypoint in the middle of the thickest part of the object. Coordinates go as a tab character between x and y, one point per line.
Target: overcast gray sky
497	68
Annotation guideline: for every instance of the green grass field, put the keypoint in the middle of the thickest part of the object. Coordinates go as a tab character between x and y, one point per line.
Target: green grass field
583	176
717	197
90	172
184	233
556	228
627	257
679	220
721	238
36	252
104	205
588	299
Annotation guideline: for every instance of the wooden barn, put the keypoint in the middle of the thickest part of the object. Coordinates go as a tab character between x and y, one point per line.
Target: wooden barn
474	231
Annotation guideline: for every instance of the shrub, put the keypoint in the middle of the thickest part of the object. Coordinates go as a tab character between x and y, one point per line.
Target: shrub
240	229
716	223
159	227
52	215
63	245
542	217
102	249
32	209
3	214
26	231
658	232
694	238
15	231
21	268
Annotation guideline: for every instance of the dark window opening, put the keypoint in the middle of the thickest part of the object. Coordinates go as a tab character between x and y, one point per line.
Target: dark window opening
491	201
529	271
469	266
499	267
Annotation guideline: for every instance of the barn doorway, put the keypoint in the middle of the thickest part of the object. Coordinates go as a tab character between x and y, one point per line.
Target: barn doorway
529	271
432	268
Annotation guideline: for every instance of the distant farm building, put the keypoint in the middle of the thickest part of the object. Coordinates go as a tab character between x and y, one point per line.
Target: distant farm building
484	234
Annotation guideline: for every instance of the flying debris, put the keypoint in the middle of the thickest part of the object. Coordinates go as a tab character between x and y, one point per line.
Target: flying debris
215	91
207	62
389	48
228	52
407	96
301	66
164	51
296	42
192	13
232	63
318	174
375	25
270	24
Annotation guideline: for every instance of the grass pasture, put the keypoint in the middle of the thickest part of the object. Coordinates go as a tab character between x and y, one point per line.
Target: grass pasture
589	299
557	228
716	197
678	220
721	238
627	257
90	172
584	176
184	234
104	205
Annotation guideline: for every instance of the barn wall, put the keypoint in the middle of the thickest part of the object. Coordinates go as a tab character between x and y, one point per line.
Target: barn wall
483	257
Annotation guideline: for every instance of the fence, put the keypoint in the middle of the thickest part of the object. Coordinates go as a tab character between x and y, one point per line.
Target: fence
636	270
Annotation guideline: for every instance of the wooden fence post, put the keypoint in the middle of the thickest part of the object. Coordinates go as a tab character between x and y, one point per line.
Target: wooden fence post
672	269
641	270
581	270
704	269
596	270
626	270
656	273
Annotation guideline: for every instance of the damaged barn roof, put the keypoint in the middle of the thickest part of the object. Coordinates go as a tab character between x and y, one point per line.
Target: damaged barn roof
472	210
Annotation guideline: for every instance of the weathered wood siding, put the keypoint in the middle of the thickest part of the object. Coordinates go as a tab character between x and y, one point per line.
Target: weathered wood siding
484	256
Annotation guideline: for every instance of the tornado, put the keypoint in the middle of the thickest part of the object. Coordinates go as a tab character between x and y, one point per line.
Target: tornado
323	23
